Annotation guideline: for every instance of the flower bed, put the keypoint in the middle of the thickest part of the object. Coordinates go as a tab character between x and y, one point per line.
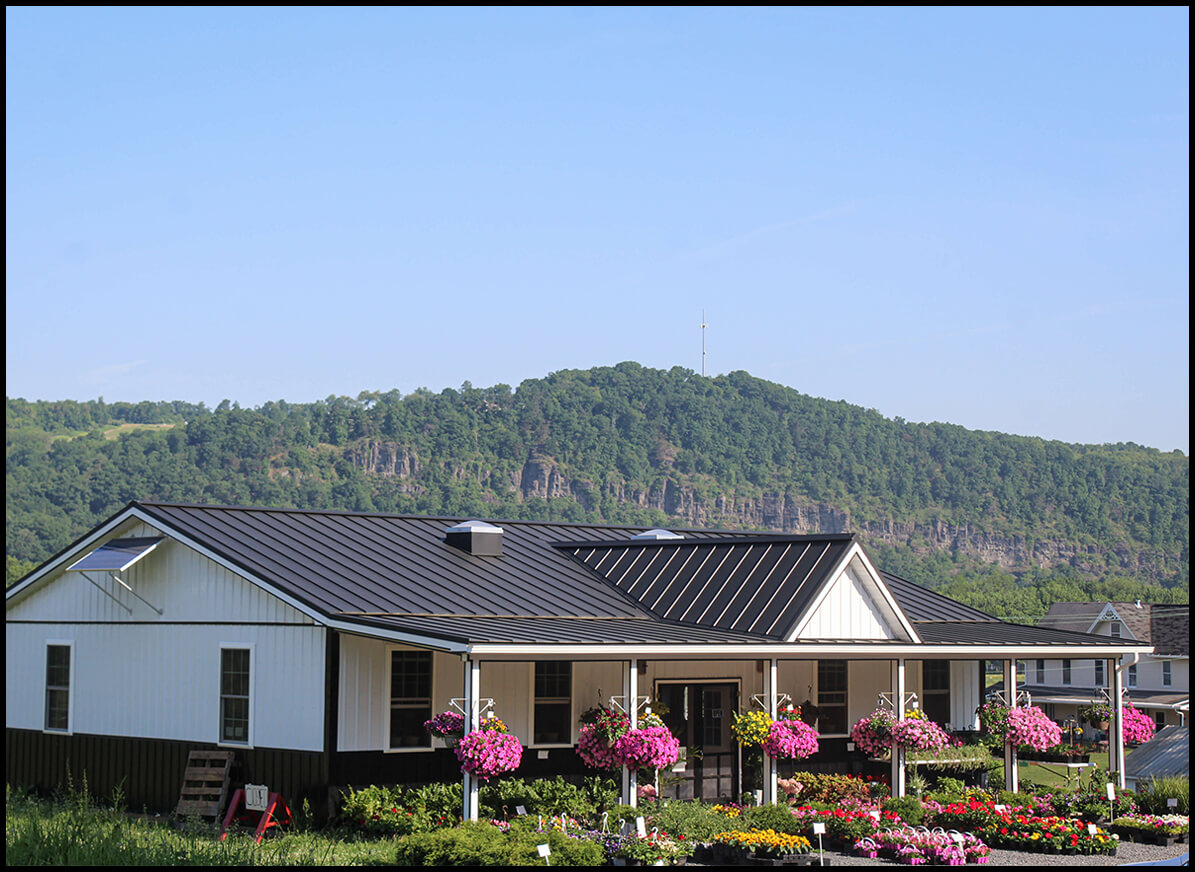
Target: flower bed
916	847
1058	835
1152	828
764	843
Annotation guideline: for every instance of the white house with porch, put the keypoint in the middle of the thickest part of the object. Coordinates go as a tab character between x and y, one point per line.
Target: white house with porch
315	644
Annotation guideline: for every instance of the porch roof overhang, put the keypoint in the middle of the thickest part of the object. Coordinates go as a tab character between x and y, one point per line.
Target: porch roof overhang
526	637
1142	698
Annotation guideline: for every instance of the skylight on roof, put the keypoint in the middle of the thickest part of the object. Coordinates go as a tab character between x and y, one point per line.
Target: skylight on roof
117	555
657	535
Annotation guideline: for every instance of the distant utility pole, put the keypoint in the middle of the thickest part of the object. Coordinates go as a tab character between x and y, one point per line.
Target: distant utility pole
703	326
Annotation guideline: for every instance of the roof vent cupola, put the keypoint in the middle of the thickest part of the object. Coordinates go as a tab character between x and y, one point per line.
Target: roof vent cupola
478	538
656	535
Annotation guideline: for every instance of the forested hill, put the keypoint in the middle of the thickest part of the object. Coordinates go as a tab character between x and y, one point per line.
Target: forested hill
619	444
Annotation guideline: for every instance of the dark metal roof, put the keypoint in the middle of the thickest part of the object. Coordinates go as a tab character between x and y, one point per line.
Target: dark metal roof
559	631
759	585
921	604
554	582
999	633
389	564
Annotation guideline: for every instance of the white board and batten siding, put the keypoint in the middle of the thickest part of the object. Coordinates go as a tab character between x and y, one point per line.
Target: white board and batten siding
135	672
853	608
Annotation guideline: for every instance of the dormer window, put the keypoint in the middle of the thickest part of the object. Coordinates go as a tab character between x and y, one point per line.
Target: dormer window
1114	629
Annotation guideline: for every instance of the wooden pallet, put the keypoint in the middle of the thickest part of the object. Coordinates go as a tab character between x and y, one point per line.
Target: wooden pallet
205	784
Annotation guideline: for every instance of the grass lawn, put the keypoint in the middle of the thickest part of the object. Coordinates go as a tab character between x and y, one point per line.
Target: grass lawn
1054	776
74	833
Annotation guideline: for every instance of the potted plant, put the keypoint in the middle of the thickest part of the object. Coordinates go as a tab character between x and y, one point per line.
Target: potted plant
1098	713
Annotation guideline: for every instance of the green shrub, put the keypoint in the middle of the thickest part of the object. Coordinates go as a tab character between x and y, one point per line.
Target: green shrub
483	844
773	817
949	788
908	807
693	820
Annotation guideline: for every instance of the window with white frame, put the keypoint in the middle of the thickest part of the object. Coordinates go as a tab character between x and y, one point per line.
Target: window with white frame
1114	629
235	665
553	703
410	698
1066	672
58	687
1099	673
1167	676
1039	672
1133	675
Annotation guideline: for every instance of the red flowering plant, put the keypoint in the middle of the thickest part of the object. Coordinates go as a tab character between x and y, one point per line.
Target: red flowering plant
490	750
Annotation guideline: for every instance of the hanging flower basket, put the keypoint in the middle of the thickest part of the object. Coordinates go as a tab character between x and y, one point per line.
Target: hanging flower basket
647	748
447	725
1029	725
790	740
486	753
873	734
595	751
1137	728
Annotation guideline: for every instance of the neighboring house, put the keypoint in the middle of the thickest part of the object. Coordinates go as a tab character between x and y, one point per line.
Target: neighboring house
1157	683
317	643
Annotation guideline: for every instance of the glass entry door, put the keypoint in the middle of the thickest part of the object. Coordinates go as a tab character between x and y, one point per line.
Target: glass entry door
700	716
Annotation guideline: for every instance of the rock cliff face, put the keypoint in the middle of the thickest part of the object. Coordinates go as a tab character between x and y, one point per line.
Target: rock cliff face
541	477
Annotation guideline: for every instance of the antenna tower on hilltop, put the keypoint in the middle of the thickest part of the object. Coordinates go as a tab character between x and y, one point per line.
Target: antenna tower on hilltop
703	326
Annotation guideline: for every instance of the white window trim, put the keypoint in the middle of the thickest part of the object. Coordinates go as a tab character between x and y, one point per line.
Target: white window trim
1167	674
432	742
572	708
221	742
70	690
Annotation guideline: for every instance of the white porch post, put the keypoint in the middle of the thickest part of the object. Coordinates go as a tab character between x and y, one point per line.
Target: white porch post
471	787
898	705
630	692
769	764
1012	776
1116	733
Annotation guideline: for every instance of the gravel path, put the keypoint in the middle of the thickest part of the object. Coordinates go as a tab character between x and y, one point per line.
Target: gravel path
1129	852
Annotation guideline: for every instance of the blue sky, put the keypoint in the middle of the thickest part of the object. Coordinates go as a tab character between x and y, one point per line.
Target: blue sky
973	216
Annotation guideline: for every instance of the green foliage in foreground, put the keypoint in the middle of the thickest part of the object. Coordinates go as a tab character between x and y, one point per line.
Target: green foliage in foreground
483	844
75	832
